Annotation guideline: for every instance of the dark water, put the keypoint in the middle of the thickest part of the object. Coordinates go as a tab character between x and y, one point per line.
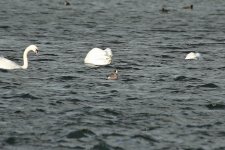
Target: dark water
160	101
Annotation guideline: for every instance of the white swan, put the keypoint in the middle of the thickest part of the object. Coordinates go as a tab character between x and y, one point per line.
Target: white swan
193	55
98	57
8	64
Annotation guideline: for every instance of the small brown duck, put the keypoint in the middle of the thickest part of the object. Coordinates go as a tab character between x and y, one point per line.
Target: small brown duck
188	7
113	75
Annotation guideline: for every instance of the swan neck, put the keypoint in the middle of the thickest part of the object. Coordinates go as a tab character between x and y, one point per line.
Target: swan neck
25	59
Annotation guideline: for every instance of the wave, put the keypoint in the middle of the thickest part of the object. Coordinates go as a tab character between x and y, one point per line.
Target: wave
63	78
104	146
216	106
145	137
209	85
184	78
82	133
111	112
10	140
23	96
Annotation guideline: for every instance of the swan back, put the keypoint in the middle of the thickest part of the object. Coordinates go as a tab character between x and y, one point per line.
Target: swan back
98	57
8	64
193	55
95	52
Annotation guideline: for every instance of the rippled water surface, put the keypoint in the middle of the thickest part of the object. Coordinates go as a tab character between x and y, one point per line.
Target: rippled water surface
160	101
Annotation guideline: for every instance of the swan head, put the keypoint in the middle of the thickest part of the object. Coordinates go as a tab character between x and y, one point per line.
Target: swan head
198	55
33	48
108	52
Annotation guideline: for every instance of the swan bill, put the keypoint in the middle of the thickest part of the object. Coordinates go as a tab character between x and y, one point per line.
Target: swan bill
36	52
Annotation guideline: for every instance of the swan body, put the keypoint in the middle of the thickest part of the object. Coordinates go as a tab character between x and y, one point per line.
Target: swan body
193	55
98	57
8	64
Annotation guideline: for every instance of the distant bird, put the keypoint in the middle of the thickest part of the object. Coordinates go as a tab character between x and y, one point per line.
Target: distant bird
98	57
164	10
193	55
113	75
188	7
66	3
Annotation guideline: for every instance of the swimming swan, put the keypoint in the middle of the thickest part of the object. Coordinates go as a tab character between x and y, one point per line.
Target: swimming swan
98	57
193	55
8	64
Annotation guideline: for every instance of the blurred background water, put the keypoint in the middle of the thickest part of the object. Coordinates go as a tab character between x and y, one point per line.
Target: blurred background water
160	101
